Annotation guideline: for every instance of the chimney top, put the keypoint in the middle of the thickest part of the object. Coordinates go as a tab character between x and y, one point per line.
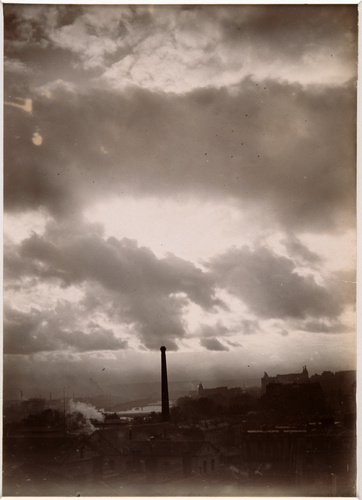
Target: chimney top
163	348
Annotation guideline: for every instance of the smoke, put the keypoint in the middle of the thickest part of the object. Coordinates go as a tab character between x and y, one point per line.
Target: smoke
89	411
81	417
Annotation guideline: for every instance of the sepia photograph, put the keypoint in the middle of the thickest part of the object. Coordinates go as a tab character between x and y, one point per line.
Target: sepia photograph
179	250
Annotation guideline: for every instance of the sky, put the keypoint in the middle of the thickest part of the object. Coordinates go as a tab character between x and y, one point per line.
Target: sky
180	176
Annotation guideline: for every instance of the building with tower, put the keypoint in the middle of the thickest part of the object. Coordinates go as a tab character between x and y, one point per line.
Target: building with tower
289	378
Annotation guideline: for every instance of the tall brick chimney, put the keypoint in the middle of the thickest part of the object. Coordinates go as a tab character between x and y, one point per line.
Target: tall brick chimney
164	386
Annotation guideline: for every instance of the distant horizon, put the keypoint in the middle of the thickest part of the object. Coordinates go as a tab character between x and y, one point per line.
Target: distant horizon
207	383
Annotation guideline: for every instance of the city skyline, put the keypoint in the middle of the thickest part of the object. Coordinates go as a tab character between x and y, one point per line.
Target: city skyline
180	176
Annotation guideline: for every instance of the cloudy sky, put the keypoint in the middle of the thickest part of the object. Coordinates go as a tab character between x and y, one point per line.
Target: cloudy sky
178	176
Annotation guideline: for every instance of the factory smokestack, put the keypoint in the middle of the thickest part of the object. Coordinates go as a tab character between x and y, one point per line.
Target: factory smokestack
164	386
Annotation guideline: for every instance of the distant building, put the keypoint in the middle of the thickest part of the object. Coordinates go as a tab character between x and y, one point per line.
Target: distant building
295	399
218	392
33	406
290	378
339	389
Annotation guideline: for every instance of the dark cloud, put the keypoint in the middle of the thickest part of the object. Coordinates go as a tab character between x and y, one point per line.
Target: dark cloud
245	327
212	344
207	331
31	25
297	250
233	344
210	143
304	26
319	326
41	331
133	285
271	287
119	265
158	320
